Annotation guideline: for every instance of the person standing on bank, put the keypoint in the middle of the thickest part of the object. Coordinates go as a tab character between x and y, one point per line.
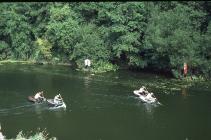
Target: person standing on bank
87	63
185	69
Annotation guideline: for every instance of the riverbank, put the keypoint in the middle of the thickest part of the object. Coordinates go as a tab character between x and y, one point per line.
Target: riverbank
95	69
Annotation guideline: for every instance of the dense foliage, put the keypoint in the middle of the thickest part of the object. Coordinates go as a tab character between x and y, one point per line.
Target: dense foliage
159	36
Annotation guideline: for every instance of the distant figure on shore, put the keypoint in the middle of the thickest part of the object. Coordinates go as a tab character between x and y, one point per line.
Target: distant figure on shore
1	135
185	69
87	63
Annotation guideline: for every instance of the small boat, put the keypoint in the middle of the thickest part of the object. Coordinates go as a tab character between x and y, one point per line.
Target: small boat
32	99
145	98
52	104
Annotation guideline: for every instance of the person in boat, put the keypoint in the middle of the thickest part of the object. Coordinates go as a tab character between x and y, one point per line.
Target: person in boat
149	95
39	96
143	91
58	99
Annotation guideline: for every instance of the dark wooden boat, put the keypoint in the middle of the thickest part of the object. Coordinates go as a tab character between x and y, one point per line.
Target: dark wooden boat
31	99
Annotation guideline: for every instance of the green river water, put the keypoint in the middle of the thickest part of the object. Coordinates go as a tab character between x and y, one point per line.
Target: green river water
101	106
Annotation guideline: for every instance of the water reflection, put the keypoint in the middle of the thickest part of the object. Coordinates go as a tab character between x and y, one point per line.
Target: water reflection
87	80
184	92
59	112
149	109
39	108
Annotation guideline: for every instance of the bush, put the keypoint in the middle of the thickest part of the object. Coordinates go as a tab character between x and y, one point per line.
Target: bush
101	66
97	66
176	73
43	49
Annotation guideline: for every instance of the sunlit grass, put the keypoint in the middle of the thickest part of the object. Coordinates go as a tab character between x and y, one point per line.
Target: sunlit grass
17	61
30	62
41	135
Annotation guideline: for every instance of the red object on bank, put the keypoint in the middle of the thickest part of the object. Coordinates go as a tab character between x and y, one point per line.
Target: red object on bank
185	68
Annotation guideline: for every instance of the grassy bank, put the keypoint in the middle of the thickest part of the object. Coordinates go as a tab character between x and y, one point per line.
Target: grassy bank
98	67
9	61
17	61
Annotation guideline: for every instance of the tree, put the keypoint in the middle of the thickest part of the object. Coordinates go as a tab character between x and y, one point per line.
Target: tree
16	30
62	28
175	36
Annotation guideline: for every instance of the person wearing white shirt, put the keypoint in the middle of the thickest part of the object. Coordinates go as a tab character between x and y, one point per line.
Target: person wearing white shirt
149	95
57	99
143	90
38	95
87	63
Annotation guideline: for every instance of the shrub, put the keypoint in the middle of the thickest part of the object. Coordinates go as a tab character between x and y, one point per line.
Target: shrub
102	66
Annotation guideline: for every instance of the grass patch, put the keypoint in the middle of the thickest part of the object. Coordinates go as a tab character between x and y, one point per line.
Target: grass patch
40	135
9	61
17	61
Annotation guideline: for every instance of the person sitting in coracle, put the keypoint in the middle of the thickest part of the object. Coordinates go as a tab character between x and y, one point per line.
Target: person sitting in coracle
57	99
149	95
143	90
39	95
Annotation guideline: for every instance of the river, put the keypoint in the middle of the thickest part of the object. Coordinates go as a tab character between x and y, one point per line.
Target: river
100	106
